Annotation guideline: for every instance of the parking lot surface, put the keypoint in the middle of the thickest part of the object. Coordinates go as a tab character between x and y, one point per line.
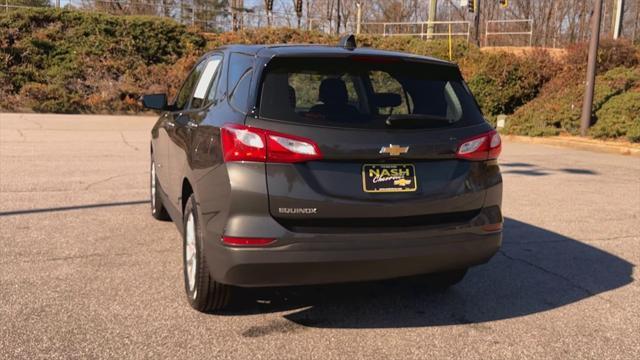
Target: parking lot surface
85	272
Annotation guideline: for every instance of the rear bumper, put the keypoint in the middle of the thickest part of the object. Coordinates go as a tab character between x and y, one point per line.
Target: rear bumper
317	261
315	252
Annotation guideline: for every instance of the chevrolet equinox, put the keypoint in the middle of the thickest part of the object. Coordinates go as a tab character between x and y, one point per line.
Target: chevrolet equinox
307	164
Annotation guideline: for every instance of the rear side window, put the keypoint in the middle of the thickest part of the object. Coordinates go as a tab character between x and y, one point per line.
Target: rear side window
366	93
238	65
239	96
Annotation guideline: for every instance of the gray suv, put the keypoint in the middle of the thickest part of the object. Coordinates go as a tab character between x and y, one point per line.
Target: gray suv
305	164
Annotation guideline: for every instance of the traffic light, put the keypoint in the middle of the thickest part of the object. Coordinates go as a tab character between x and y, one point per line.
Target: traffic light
299	7
504	3
269	4
472	6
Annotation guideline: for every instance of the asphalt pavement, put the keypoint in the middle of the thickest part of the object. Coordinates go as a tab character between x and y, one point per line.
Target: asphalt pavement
86	272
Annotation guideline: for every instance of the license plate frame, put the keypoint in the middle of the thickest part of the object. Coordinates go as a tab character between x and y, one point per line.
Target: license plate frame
393	180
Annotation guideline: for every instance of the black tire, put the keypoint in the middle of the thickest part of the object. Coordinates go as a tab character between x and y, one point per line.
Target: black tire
158	211
205	295
447	279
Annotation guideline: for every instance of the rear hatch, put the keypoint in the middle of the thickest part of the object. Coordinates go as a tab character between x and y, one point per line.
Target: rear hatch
387	130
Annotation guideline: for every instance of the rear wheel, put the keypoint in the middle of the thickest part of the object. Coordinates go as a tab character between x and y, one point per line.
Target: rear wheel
204	293
447	279
158	210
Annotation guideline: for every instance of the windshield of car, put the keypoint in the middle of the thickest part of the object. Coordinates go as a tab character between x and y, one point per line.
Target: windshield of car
366	92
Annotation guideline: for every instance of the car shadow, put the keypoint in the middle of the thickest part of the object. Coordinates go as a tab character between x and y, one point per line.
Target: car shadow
71	208
536	270
520	168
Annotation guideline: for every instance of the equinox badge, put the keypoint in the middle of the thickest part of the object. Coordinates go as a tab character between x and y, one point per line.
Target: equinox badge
394	150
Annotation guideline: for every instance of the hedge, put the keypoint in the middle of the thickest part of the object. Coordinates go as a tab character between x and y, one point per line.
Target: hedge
557	109
619	117
70	62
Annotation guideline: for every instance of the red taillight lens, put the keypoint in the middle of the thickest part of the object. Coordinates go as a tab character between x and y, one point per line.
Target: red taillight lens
482	147
289	149
243	143
240	143
242	241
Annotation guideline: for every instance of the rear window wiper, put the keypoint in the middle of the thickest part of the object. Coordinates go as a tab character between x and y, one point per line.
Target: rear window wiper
416	120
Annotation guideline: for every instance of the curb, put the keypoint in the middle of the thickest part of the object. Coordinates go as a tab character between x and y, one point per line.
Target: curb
601	146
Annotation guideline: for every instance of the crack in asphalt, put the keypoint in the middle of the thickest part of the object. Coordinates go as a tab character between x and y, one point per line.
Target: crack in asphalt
33	122
557	275
547	271
110	178
127	143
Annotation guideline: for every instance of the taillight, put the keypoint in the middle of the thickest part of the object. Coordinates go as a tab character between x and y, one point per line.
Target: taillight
243	241
243	143
482	147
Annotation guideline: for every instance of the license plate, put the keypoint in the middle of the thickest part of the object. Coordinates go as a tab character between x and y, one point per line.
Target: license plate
388	178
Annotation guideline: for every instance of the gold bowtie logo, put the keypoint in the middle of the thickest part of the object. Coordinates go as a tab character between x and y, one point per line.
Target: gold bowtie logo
402	182
394	150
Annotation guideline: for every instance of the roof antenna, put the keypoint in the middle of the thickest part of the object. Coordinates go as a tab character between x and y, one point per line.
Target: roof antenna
348	42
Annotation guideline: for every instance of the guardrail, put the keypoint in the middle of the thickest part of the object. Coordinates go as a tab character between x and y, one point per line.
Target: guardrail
422	29
8	6
526	22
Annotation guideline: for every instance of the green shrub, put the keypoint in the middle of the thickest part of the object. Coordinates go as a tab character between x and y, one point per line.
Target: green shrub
558	107
414	45
619	117
611	54
69	61
502	82
435	48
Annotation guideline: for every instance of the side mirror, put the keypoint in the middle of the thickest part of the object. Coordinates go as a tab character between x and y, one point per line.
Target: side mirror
384	100
155	101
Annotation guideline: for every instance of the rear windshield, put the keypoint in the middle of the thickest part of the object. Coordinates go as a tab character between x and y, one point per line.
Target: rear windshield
366	92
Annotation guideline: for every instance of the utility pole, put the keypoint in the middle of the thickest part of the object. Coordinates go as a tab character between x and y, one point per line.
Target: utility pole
338	18
617	24
433	8
587	104
476	22
358	17
635	23
269	7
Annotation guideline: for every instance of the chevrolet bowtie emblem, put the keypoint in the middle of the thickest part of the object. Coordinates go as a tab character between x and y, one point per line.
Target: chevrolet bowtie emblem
394	150
402	182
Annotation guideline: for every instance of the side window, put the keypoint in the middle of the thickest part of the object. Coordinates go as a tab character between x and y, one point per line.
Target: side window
187	87
206	81
383	83
239	97
238	65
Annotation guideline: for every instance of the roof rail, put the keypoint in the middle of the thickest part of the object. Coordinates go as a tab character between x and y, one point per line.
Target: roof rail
348	42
